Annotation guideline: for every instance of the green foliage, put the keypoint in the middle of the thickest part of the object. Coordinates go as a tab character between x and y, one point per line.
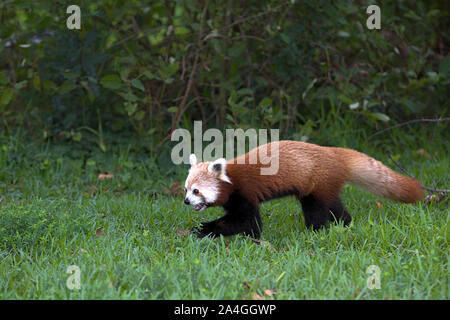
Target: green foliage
147	66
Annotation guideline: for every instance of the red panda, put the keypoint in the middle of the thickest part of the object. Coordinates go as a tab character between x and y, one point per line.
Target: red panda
312	173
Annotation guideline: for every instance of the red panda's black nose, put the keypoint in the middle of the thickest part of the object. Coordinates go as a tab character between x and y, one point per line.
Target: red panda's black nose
186	201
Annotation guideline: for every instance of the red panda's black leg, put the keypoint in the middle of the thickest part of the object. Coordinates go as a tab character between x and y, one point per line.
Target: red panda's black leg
241	217
339	213
229	225
316	213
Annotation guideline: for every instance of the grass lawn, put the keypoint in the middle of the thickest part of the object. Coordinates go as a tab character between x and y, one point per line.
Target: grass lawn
128	238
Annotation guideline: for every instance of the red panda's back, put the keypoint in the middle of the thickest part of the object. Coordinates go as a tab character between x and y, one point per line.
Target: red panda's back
285	167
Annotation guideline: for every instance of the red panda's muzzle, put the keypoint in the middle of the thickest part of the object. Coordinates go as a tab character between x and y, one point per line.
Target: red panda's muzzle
200	207
197	207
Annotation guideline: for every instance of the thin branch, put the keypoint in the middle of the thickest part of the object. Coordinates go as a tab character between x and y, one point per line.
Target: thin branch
409	175
436	190
400	167
199	102
271	10
406	123
179	112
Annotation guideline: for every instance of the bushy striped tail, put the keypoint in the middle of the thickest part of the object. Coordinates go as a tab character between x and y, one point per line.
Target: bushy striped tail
378	179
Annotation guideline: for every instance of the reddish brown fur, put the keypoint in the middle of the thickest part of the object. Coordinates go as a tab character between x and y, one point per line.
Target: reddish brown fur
308	169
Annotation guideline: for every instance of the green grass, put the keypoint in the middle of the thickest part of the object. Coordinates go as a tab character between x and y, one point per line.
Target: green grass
127	237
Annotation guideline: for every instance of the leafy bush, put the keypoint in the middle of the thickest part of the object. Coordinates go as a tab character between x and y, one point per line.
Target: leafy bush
150	67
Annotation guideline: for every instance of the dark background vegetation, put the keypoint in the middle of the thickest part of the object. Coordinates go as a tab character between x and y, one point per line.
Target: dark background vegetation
139	69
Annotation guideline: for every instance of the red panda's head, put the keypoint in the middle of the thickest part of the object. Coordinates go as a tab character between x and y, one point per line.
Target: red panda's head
206	183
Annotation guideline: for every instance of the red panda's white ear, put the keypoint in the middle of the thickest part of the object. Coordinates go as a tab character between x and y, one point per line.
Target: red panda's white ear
192	159
218	168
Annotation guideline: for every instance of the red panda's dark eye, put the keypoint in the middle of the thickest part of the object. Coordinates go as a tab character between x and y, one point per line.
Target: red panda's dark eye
195	191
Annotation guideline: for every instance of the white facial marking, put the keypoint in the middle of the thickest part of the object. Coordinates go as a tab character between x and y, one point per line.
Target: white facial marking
193	199
204	177
209	193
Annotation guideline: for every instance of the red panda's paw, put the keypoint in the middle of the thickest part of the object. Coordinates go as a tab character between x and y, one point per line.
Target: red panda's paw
201	232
